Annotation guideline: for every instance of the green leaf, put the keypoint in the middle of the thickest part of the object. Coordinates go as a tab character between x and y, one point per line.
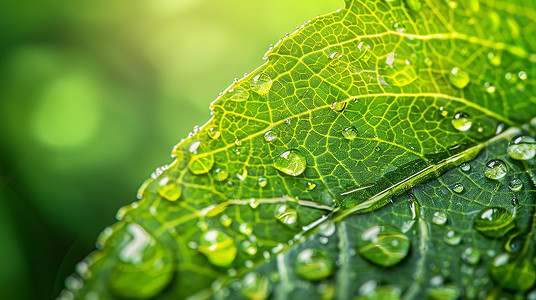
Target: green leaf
375	155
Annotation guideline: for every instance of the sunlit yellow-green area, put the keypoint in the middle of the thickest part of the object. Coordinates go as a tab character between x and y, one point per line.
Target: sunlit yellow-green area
94	94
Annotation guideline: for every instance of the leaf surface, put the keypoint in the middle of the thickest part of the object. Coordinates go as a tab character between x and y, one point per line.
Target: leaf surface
352	164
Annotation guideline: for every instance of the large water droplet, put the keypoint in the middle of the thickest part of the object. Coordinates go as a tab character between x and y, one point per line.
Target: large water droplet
440	218
495	169
522	148
213	133
458	188
261	84
471	256
218	247
327	228
452	238
459	78
350	133
339	106
414	5
494	222
291	162
396	71
200	163
462	121
313	264
466	167
220	174
238	93
383	245
513	272
515	184
255	286
269	136
286	214
141	259
168	188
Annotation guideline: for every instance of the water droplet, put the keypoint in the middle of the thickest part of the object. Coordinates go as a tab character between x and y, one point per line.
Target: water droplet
245	229
311	186
220	174
262	182
462	121
448	292
458	188
249	247
414	5
489	88
141	259
522	75
169	188
327	228
465	167
494	59
452	238
255	286
225	220
513	272
238	94
377	149
515	184
494	222
349	133
396	71
313	264
286	215
291	162
261	84
471	256
522	148
440	218
459	78
218	247
200	163
383	245
495	169
213	133
339	106
287	121
238	142
269	136
515	202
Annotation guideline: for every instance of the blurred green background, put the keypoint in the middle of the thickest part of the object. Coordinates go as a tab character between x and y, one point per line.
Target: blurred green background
94	94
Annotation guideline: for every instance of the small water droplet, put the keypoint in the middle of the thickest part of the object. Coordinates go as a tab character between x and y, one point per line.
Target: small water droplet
261	83
339	106
327	228
513	272
225	220
238	142
447	292
396	71
522	75
383	245
494	222
249	247
311	186
262	182
515	202
218	247
452	238
291	162
169	188
313	264
515	184
522	148
494	59
471	256
255	286
377	149
213	133
458	188
459	78
245	229
200	163
269	136
466	167
462	121
495	169
440	218
350	133
220	174
287	121
414	5
286	215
